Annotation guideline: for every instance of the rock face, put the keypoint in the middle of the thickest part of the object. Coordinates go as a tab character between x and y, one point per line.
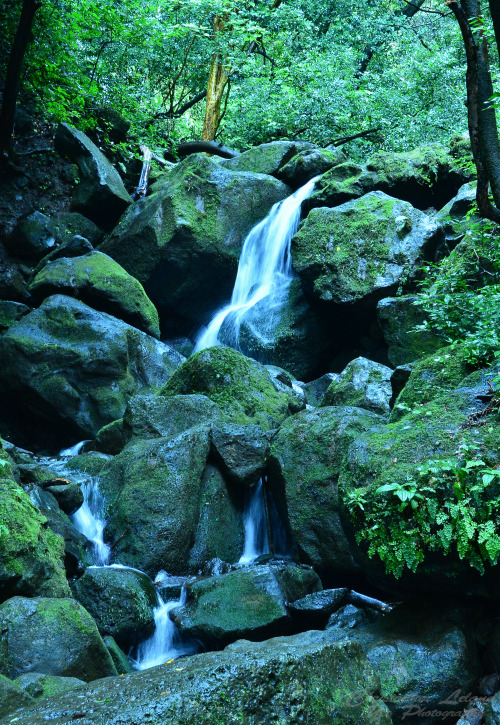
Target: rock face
154	491
121	601
305	462
317	679
242	388
183	242
101	195
249	603
426	177
100	282
51	636
363	248
364	384
75	367
30	553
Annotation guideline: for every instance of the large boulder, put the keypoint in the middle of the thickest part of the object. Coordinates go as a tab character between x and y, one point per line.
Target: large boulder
74	369
51	636
364	384
100	195
120	600
309	163
100	282
154	491
183	242
268	158
408	338
241	451
362	249
305	461
428	176
302	680
249	602
424	654
242	388
30	553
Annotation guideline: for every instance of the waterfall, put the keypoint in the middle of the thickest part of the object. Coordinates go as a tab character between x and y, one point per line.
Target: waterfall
264	270
166	643
256	528
90	518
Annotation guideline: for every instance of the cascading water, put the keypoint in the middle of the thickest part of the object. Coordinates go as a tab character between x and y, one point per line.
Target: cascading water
166	643
264	271
255	521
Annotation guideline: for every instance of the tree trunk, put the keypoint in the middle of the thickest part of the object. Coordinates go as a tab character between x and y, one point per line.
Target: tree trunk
217	82
495	16
483	129
13	74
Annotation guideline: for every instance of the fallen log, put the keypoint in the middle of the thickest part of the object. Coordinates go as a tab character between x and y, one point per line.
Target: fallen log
363	601
208	147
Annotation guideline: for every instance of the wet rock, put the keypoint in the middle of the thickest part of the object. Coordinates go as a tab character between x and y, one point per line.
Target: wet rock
120	659
314	610
316	389
241	387
309	163
304	464
69	496
41	686
241	451
157	416
399	318
362	249
10	312
100	282
100	195
352	617
71	370
112	438
120	600
364	384
307	679
68	224
12	696
250	602
268	158
51	636
453	216
492	711
183	242
32	238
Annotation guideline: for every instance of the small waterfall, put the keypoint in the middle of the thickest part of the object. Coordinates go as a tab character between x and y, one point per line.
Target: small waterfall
264	270
255	524
90	518
166	643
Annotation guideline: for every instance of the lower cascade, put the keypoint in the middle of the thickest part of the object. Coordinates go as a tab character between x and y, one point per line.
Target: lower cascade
264	530
264	271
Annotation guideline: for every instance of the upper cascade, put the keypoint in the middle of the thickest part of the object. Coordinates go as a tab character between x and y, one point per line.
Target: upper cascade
264	270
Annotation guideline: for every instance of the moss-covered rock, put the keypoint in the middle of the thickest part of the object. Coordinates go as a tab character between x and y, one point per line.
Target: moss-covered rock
103	284
453	216
120	600
363	384
183	242
68	224
268	158
303	679
40	686
241	451
309	163
120	659
241	387
363	248
10	312
305	462
12	696
399	318
66	370
249	602
31	555
51	636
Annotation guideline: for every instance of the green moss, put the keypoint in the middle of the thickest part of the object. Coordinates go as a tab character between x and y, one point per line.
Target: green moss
241	387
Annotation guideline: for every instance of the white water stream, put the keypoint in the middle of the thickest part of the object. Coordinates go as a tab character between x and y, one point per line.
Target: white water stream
264	270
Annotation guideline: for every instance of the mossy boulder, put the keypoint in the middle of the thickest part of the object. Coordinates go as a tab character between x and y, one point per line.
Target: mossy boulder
402	320
428	176
249	602
363	384
362	249
100	195
12	696
68	224
304	463
304	680
453	217
66	370
121	602
183	242
242	388
241	452
40	686
31	555
268	158
309	163
32	238
153	491
51	636
10	312
103	284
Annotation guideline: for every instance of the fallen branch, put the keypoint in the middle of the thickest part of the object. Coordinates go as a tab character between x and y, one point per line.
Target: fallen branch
208	147
345	139
364	601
